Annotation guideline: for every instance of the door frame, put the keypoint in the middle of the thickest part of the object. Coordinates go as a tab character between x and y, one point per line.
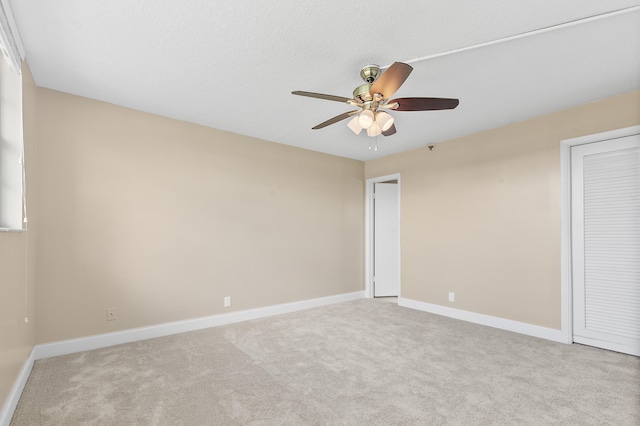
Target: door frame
368	233
566	268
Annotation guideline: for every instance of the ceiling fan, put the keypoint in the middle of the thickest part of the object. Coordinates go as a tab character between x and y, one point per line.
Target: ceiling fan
372	98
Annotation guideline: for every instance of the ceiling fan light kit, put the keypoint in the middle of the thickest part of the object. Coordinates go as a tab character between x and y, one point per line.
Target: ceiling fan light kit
374	130
374	126
354	124
384	120
365	119
373	95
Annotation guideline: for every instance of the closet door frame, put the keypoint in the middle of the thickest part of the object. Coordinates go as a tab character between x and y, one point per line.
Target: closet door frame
566	284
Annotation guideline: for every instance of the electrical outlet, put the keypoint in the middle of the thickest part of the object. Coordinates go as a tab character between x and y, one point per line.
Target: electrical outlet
227	301
452	297
111	314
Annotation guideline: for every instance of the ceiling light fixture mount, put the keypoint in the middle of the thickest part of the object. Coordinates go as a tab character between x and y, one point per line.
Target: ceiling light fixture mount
369	73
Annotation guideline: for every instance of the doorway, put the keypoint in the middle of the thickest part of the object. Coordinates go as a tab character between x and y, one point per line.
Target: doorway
602	266
382	235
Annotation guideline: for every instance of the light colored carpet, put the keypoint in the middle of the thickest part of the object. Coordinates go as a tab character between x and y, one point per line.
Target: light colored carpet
366	362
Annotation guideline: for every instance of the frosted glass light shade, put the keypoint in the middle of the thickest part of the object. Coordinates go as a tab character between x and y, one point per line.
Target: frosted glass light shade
384	120
354	125
365	119
374	130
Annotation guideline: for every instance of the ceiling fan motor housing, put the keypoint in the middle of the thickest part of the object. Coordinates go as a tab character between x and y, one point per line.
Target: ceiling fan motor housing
362	92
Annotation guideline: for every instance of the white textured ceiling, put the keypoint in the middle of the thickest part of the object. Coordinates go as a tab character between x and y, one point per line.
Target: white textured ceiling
233	65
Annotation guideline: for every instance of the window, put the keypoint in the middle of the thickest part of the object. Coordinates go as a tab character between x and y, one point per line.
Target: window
11	141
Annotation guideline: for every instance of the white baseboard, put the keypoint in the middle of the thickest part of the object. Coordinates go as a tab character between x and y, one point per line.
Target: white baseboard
11	402
66	347
611	346
495	322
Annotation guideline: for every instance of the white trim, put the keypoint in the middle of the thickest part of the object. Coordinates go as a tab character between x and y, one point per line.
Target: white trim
14	29
12	230
535	32
65	347
13	49
368	232
611	346
566	316
566	306
10	404
491	321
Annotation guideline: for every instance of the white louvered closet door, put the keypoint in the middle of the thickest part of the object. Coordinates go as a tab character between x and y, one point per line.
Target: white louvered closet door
605	198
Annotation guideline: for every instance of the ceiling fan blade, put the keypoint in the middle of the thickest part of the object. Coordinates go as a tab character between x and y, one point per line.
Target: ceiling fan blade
390	131
424	104
335	119
321	96
391	80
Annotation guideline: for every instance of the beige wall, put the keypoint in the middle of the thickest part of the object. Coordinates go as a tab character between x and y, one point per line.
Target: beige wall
161	219
481	213
17	262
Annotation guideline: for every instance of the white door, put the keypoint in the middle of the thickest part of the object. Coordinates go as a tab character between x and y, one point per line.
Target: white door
386	240
605	216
